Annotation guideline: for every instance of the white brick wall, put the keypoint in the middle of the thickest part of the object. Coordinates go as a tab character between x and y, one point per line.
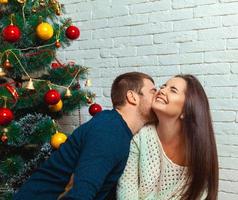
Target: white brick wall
163	38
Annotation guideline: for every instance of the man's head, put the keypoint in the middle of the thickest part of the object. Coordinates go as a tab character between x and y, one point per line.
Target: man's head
136	90
131	81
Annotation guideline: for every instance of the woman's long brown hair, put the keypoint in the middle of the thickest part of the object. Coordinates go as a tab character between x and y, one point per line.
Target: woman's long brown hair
201	151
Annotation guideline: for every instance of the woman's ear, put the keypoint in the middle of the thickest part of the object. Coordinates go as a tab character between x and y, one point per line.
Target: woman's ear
181	116
131	97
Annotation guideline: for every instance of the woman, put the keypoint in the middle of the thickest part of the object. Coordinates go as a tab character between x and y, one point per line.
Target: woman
177	157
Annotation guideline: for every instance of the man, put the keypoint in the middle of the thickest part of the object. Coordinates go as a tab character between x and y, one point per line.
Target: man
97	151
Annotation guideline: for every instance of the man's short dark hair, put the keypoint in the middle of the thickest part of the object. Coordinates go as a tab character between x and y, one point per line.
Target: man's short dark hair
129	81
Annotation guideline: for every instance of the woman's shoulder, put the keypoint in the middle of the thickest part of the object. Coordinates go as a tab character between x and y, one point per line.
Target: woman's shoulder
148	132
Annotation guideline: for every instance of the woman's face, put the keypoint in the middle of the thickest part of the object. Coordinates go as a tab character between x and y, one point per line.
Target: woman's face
170	98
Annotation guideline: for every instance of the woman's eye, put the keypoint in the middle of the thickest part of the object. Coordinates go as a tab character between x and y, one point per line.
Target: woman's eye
174	91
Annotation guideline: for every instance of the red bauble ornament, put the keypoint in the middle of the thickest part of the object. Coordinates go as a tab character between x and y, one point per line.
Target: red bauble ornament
94	109
4	138
11	33
72	32
7	64
6	116
52	97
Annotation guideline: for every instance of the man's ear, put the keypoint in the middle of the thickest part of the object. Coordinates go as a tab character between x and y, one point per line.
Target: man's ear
131	97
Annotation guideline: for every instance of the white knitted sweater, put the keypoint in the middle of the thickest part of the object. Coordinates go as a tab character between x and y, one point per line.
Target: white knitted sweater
149	173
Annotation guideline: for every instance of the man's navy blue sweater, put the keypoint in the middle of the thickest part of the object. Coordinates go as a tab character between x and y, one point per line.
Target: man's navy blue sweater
96	153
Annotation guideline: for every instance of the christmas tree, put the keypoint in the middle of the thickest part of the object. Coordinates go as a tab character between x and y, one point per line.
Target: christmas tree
35	87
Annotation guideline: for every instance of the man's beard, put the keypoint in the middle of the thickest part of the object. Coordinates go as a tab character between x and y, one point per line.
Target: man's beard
147	115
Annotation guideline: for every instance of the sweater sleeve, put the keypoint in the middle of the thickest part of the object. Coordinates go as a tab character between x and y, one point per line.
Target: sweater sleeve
128	185
49	180
99	155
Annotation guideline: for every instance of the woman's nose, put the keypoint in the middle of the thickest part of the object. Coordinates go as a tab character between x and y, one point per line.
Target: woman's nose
162	91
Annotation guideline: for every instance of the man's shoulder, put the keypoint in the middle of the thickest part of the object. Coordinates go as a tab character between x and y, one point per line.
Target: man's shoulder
107	118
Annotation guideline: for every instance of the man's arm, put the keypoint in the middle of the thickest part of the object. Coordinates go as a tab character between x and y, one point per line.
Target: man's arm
50	179
100	154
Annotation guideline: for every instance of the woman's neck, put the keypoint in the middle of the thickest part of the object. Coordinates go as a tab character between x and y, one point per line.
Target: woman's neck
172	139
170	131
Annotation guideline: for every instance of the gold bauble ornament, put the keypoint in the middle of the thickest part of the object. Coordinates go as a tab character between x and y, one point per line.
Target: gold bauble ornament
44	31
57	139
21	1
42	2
4	1
2	73
56	107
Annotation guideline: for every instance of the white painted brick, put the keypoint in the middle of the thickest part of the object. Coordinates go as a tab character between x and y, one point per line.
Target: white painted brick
221	56
234	68
223	139
160	49
84	35
119	8
235	92
225	196
237	117
110	32
196	69
215	9
103	81
151	28
228	151
114	72
191	3
138	61
184	36
95	44
224	104
130	2
171	15
218	33
90	53
158	71
228	186
78	7
218	92
228	1
150	6
81	16
102	62
224	80
118	52
201	46
101	9
94	24
230	20
228	174
133	41
107	92
232	44
197	23
224	116
128	20
229	163
188	58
